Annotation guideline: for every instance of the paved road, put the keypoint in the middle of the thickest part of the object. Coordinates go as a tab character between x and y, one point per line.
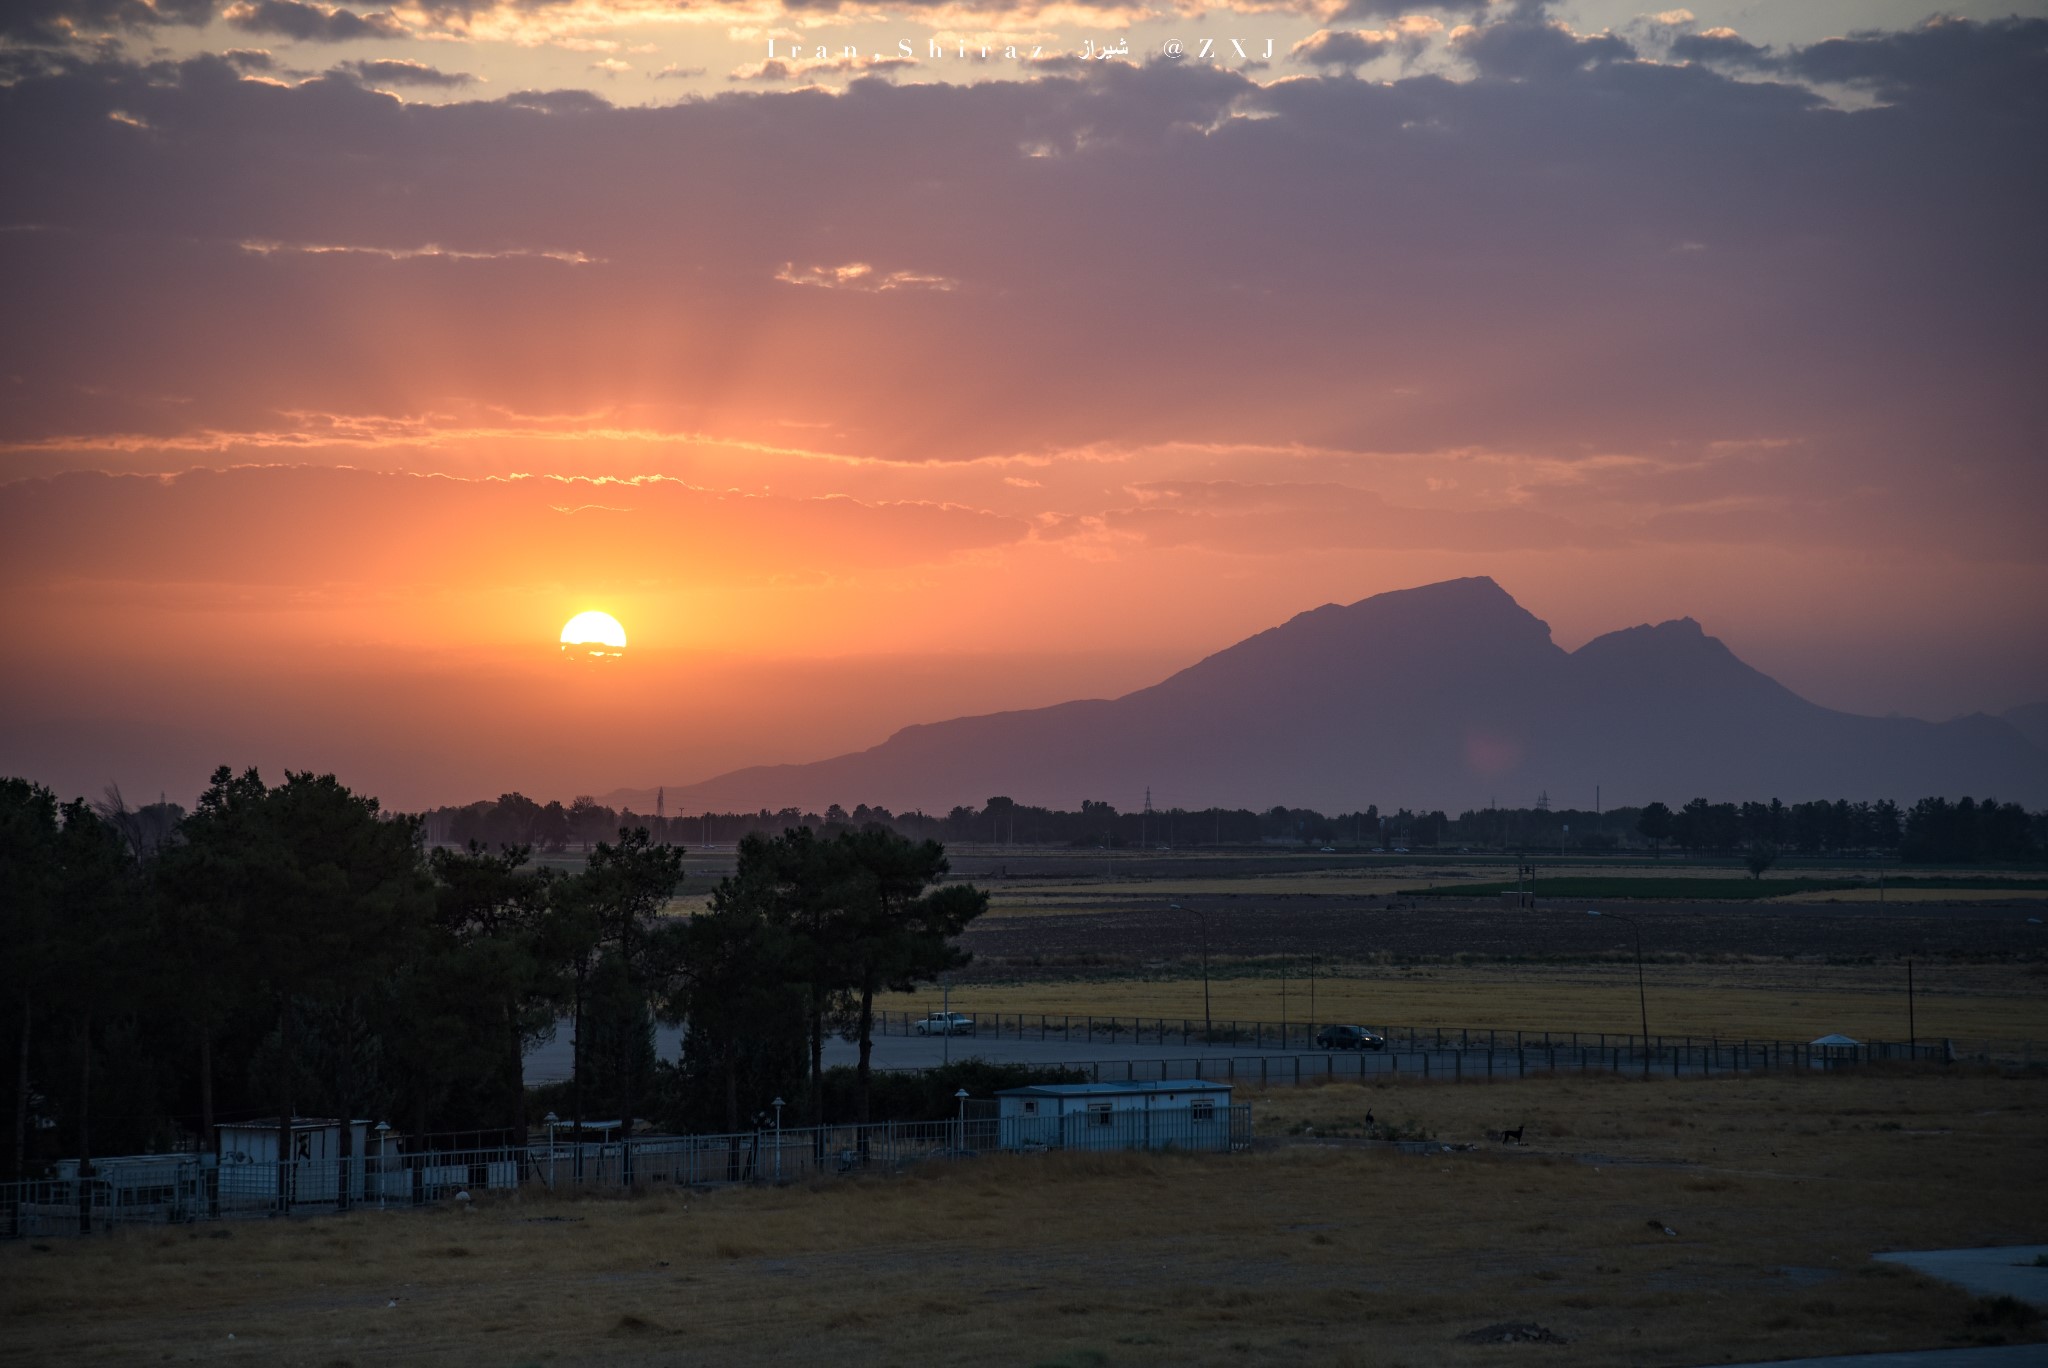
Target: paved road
2003	1356
2001	1271
1113	1060
550	1062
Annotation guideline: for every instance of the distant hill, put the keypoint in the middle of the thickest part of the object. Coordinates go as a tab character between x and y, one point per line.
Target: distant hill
2031	721
1444	696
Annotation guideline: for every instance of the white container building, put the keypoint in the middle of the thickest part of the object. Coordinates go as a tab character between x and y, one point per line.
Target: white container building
1185	1113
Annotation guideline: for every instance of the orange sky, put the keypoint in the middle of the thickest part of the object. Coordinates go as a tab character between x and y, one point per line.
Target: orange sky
321	409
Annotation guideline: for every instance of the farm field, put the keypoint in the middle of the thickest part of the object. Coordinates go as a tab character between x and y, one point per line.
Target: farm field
1644	1223
1759	1000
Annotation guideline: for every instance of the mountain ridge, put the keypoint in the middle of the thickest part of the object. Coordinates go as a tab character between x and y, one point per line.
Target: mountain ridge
1443	695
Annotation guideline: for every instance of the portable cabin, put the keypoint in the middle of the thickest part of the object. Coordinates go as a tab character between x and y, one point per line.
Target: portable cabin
140	1187
249	1161
1834	1051
1186	1113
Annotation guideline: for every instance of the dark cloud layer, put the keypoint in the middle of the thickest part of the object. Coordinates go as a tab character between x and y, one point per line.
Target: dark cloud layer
311	23
1576	252
64	21
404	73
1522	48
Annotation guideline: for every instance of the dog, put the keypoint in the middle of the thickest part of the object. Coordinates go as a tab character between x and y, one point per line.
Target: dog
1513	1137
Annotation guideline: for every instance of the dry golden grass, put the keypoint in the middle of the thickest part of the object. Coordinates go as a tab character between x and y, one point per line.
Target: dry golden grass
1888	896
1778	1190
1765	1000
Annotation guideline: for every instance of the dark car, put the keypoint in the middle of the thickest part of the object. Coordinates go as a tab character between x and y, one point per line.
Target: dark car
1350	1038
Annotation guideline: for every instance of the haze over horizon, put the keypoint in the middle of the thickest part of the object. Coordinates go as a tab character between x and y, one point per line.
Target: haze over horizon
354	350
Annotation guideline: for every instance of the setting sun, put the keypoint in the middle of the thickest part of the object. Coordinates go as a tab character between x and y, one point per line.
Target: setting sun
595	633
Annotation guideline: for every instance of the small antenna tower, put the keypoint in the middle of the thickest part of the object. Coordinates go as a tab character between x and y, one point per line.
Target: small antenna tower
661	802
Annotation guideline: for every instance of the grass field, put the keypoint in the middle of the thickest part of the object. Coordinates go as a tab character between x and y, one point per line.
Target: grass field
1698	887
1761	1000
1323	1250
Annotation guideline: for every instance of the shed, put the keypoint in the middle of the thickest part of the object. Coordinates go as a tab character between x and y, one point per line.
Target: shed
248	1157
1834	1050
1177	1113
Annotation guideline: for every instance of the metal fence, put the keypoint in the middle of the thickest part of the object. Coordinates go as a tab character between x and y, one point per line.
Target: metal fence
1479	1064
1301	1035
177	1190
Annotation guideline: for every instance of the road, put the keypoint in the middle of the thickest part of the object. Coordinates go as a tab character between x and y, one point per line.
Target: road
1113	1061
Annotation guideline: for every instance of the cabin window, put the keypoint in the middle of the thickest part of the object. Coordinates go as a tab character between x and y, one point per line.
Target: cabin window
1101	1114
1199	1112
1030	1108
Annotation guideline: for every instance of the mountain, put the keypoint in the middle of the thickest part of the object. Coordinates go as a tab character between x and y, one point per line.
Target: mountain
2031	720
1447	695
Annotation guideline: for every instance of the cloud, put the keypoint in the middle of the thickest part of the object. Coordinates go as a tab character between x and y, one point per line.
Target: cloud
294	525
1999	64
794	69
1408	9
1723	47
860	276
59	22
1286	519
1407	39
1521	48
311	23
398	71
677	72
1421	264
430	251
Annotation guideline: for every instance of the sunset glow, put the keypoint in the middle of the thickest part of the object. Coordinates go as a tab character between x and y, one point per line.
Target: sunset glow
1714	312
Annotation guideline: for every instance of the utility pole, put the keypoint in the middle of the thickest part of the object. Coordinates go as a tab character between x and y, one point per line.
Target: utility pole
1912	1026
1642	1001
1208	1020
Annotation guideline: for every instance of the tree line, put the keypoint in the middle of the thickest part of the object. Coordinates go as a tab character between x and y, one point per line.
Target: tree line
1933	830
296	950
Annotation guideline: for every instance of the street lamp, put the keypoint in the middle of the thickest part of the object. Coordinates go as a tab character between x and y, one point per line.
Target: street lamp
960	1138
1642	1001
777	1104
1208	1021
552	1121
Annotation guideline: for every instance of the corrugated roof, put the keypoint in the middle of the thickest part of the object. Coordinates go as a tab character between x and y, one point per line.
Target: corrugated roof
1168	1085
